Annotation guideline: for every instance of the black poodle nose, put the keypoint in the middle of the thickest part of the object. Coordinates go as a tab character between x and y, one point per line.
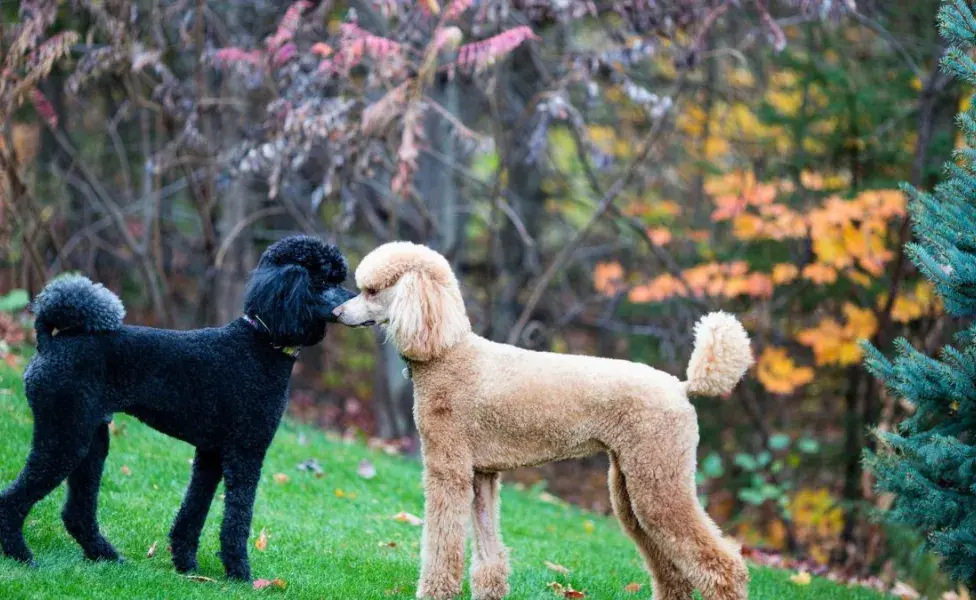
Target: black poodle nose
333	298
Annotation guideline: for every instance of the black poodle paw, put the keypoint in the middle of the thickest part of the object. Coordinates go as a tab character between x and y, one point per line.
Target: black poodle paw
103	551
185	564
238	570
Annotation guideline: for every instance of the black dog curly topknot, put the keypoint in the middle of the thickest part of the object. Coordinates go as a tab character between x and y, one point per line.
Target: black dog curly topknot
223	390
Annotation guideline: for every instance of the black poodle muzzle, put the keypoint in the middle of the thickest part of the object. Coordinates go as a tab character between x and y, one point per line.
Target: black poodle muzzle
332	298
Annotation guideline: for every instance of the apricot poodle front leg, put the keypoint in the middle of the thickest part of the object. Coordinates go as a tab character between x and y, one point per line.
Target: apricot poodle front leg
448	495
489	560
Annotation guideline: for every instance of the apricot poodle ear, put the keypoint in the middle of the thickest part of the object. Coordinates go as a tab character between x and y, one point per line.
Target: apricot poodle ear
426	316
283	300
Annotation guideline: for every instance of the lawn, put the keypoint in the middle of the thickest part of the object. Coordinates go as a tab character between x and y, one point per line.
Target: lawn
327	536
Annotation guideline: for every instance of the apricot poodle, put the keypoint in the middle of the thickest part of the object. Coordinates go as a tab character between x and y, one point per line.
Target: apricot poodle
482	407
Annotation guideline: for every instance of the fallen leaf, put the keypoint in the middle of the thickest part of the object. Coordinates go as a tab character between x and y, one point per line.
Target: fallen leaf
801	578
341	493
549	498
281	478
126	471
387	544
152	551
405	517
565	591
262	542
200	579
589	527
312	466
557	568
904	591
260	584
633	588
366	470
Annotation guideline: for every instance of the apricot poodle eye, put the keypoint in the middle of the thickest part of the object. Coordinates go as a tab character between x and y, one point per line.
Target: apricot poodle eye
370	291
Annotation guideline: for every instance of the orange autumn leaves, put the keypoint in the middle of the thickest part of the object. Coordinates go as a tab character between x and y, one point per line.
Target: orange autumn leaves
846	241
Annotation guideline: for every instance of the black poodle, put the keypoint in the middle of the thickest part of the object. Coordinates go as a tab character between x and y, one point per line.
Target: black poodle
223	390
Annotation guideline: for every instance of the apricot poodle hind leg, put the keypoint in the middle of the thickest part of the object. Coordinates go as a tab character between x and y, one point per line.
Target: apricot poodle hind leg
56	451
668	582
81	506
489	558
185	534
660	482
448	492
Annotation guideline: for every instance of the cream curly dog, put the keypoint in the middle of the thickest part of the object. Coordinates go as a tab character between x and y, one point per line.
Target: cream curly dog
483	407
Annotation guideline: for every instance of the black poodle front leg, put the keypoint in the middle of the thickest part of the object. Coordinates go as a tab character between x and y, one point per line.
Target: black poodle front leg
241	474
185	534
81	506
55	452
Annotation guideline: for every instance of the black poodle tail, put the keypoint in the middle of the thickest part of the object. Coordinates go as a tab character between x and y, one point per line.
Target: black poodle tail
73	304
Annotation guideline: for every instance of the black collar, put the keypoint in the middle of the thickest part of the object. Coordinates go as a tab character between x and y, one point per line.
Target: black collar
258	325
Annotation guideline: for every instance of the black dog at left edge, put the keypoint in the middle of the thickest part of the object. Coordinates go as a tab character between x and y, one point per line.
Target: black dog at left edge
223	390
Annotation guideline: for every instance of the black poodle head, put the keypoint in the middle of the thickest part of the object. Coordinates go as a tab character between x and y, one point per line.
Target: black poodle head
294	289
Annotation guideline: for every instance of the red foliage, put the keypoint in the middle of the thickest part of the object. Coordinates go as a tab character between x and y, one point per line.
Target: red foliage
481	54
44	107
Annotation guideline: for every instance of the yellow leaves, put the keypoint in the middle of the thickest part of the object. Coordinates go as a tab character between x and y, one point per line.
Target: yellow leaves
589	526
836	344
661	236
801	578
778	373
819	273
608	278
913	305
784	273
606	138
818	520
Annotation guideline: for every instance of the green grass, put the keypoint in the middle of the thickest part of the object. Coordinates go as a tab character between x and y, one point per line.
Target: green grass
329	537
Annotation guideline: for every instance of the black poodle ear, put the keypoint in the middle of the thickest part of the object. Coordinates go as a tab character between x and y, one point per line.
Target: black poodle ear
282	298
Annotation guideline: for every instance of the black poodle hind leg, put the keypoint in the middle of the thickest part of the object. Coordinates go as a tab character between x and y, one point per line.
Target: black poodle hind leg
185	534
81	506
242	471
56	451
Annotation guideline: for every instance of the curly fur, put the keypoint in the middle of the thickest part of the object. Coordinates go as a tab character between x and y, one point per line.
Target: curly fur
483	407
721	356
222	390
74	302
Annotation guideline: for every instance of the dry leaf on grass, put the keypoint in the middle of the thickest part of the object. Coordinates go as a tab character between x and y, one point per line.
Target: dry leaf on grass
633	588
152	550
281	478
589	526
405	517
366	470
904	591
312	466
557	568
276	583
126	471
200	579
801	578
565	591
262	542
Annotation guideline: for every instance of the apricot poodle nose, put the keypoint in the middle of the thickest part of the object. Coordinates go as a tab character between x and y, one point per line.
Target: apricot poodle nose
337	311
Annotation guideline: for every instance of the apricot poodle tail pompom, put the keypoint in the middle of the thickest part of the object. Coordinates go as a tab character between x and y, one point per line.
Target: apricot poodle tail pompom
721	357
